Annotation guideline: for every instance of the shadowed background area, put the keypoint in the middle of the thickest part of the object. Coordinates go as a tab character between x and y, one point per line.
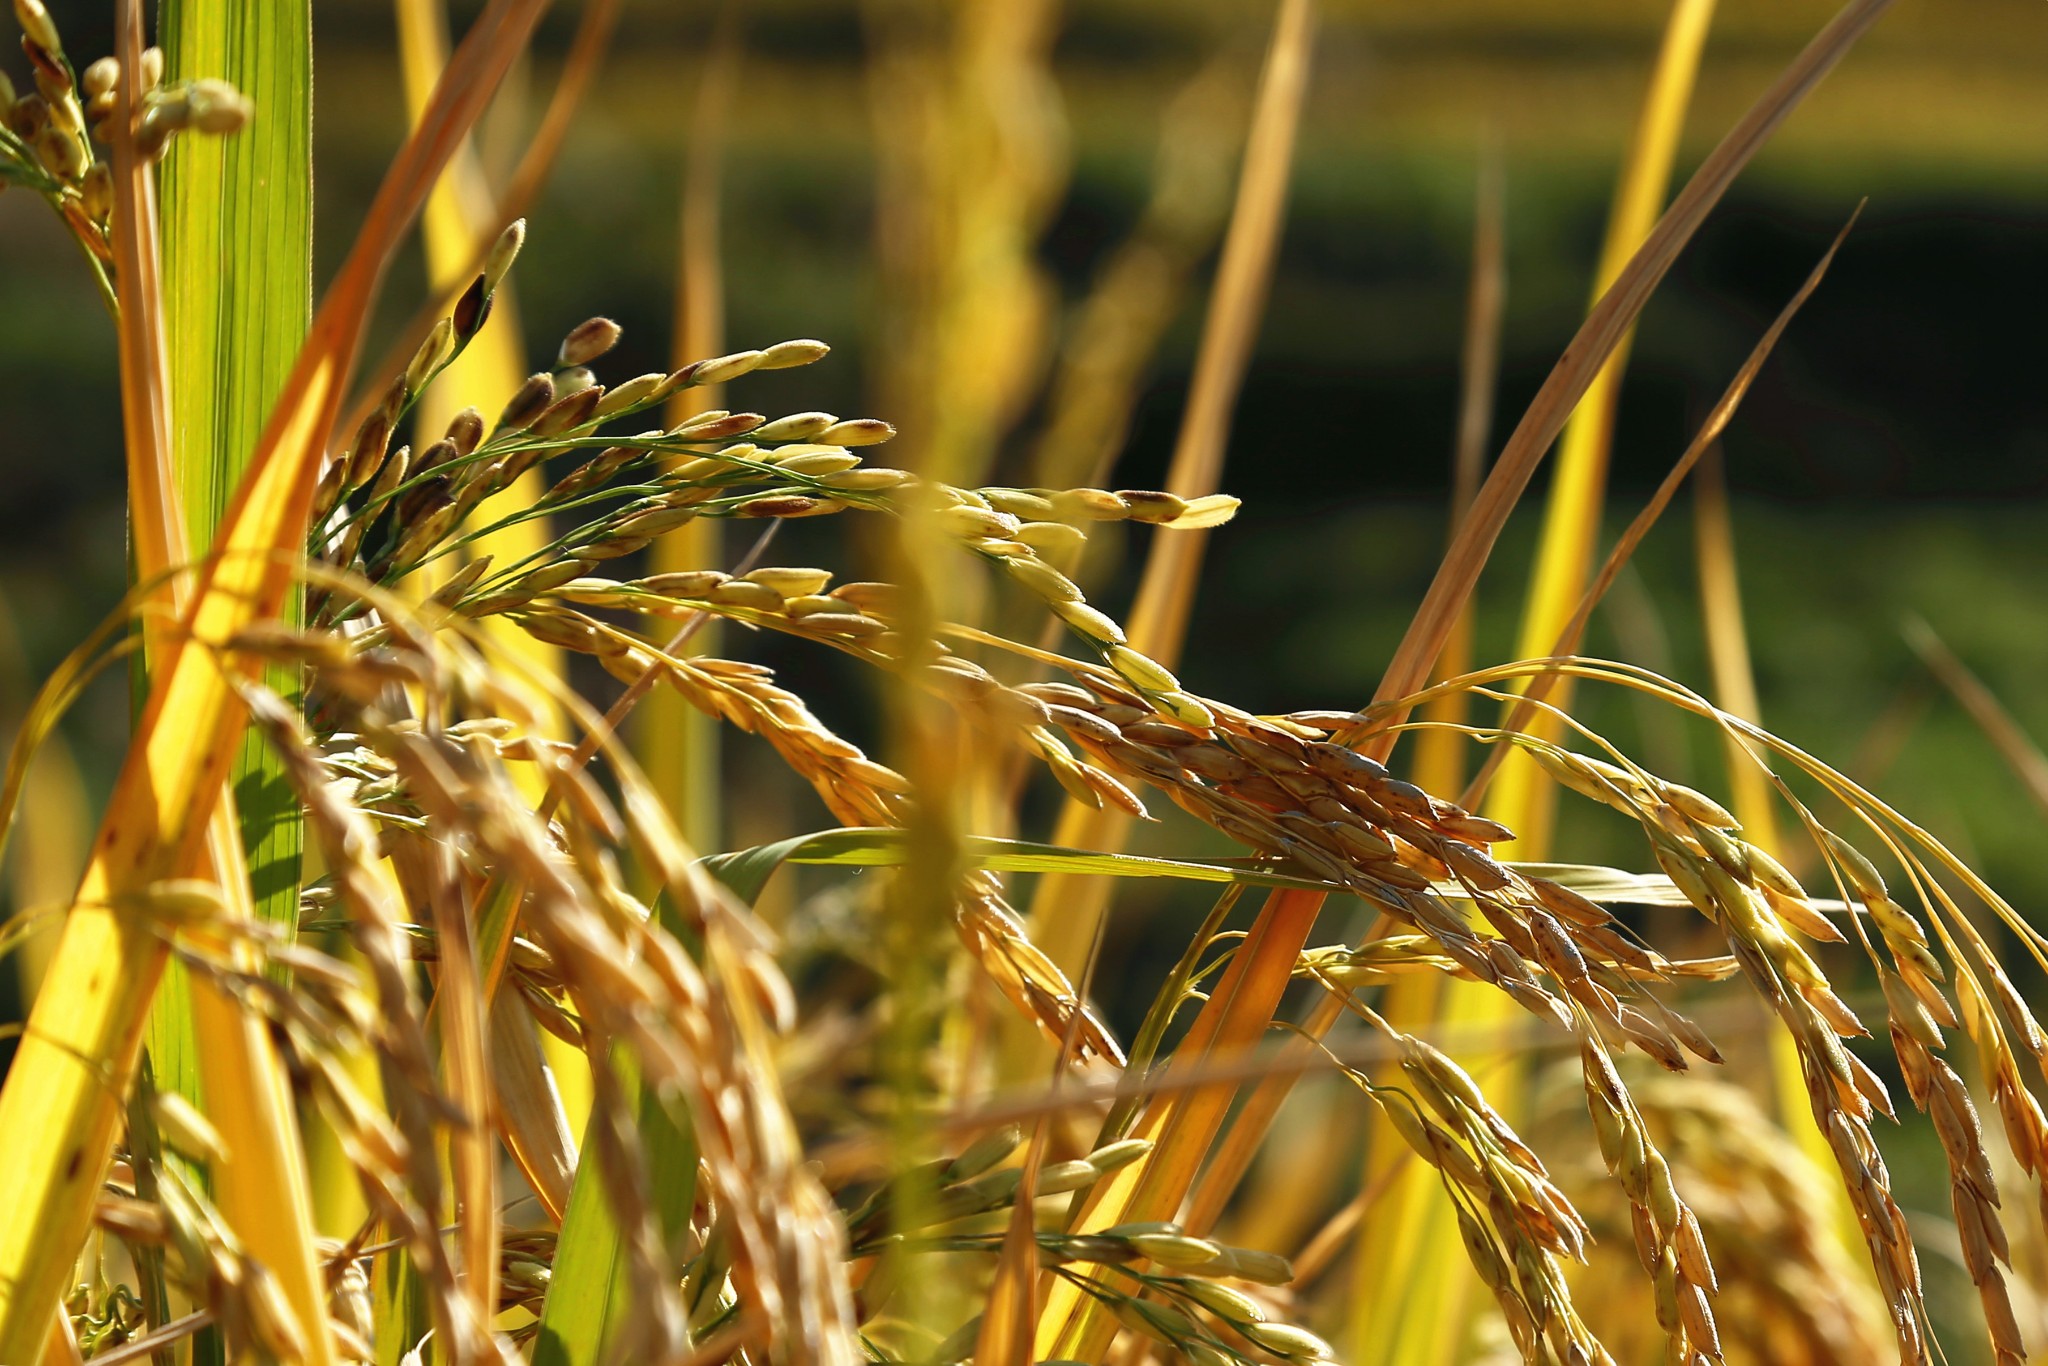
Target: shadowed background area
1891	459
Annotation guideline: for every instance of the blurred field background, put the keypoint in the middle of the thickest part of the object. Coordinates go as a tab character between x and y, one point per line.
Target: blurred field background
1893	458
1892	461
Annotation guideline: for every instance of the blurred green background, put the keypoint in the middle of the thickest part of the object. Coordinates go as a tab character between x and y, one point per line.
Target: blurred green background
1893	459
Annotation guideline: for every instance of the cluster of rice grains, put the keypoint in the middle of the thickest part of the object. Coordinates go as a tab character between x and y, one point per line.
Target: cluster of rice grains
412	729
1759	906
1789	1287
47	136
589	960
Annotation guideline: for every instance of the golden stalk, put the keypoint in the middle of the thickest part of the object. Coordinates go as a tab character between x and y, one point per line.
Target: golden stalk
62	1100
1183	1125
1439	753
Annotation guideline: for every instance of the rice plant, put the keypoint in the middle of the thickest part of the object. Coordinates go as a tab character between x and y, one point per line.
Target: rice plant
311	1108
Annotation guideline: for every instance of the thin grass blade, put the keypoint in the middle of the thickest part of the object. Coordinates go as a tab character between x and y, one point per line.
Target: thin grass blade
1596	340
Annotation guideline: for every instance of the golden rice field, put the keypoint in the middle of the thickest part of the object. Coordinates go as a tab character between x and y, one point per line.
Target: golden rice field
1238	800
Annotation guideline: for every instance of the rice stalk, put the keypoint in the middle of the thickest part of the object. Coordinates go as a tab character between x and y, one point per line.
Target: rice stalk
1727	637
458	226
1265	1104
265	1195
94	1002
1438	751
1408	1230
455	228
1703	441
1009	1320
579	67
1571	524
1434	620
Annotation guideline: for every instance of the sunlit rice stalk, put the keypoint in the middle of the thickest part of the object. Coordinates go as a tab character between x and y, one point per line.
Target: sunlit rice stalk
453	226
970	159
456	225
1735	692
237	298
1183	1125
579	68
460	222
1728	640
1434	621
223	1056
1616	312
1010	1319
1405	1242
1728	660
61	1101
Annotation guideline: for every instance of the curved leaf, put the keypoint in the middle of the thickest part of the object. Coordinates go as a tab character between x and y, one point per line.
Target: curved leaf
746	871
